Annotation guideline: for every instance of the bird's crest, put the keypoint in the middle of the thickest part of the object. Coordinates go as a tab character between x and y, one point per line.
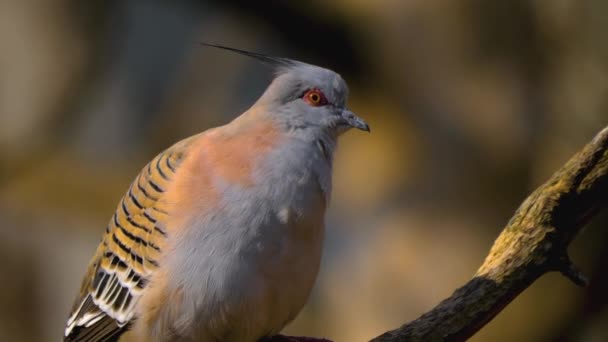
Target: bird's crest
280	64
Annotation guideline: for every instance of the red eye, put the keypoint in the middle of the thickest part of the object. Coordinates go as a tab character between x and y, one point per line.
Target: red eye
314	97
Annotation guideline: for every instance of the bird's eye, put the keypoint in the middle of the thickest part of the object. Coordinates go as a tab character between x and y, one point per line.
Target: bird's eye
314	97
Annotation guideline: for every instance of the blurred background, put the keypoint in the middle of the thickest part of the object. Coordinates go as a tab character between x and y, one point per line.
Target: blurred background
472	105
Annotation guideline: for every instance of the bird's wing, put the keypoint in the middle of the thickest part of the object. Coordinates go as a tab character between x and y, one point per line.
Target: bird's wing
128	254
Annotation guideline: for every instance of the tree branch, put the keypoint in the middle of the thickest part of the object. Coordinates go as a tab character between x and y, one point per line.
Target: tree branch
534	242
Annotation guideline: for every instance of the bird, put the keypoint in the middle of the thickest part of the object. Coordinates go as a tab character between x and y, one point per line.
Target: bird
219	237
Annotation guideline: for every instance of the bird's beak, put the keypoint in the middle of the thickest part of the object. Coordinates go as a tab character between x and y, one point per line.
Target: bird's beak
354	121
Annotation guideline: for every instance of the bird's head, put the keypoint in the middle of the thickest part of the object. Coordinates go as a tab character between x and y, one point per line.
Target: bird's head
306	97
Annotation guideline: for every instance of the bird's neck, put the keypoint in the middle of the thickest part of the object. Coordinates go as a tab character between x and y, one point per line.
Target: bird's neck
283	149
260	114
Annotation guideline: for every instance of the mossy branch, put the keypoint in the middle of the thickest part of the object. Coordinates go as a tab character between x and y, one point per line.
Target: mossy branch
534	242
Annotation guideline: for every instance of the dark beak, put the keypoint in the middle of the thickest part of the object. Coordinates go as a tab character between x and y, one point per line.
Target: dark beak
354	121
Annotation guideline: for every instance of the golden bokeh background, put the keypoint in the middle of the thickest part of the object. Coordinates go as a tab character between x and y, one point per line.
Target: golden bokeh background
472	105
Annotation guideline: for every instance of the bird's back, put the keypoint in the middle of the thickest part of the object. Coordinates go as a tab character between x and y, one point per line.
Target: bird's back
128	254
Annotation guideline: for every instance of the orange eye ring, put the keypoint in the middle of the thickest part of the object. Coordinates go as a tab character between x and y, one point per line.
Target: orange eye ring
315	97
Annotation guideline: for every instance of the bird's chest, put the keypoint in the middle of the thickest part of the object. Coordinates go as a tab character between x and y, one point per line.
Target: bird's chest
281	253
282	230
259	251
293	219
285	214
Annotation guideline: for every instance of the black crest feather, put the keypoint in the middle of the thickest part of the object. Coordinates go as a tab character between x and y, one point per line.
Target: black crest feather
277	62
